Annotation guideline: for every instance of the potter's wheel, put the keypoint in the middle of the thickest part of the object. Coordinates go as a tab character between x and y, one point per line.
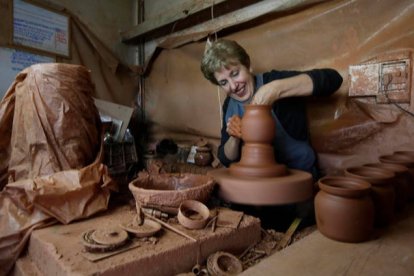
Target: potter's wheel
296	186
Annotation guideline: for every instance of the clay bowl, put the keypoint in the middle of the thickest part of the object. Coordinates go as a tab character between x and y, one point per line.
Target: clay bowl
147	229
166	192
224	263
193	214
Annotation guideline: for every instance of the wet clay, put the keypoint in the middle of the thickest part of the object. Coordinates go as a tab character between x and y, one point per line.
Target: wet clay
257	158
257	179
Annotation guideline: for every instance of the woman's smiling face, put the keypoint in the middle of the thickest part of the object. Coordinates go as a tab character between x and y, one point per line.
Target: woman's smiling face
237	81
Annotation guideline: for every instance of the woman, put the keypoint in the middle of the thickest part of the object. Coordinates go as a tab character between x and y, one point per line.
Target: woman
226	64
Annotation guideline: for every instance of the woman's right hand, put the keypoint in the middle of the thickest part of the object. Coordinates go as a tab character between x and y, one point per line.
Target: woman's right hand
234	126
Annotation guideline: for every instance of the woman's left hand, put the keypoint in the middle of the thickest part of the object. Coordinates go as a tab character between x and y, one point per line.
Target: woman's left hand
297	86
267	94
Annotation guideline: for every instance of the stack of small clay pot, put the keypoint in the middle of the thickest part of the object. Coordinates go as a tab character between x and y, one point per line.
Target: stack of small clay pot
349	207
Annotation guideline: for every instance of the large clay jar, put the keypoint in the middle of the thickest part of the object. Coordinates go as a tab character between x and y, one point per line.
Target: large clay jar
257	157
344	209
383	193
401	184
404	160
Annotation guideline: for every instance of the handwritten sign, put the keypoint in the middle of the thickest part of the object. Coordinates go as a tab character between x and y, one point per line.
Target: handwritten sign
39	28
12	62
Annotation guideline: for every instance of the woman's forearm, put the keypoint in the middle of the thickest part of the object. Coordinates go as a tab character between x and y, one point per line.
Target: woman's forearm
297	86
231	148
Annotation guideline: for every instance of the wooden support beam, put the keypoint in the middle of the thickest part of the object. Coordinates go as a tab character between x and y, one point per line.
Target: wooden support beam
179	12
234	18
181	17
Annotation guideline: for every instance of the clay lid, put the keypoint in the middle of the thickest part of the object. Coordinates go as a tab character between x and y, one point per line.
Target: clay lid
147	229
109	236
104	240
203	149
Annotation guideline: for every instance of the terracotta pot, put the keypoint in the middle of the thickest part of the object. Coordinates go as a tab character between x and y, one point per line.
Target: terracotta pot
203	156
258	124
401	182
257	157
404	160
344	208
409	153
382	189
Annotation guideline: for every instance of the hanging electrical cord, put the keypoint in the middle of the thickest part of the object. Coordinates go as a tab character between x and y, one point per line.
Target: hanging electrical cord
398	106
218	88
403	109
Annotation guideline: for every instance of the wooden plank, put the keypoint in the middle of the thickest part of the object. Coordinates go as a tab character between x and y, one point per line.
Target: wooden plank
197	32
389	252
179	12
231	19
6	22
289	233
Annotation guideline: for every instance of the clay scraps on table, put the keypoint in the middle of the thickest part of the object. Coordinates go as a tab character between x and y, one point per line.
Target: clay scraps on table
229	218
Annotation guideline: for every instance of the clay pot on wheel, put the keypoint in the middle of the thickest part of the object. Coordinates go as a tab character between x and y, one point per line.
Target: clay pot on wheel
344	209
257	157
401	184
383	193
258	124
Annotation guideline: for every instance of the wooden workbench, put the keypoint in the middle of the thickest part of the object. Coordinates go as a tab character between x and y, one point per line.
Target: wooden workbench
390	252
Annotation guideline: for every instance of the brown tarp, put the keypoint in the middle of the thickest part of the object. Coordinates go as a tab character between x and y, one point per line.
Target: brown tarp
51	154
346	131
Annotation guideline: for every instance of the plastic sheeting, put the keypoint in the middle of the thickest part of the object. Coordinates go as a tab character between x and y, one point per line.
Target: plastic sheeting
51	154
334	34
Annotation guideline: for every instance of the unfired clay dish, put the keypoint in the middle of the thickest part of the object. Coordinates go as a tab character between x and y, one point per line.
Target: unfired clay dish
147	229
